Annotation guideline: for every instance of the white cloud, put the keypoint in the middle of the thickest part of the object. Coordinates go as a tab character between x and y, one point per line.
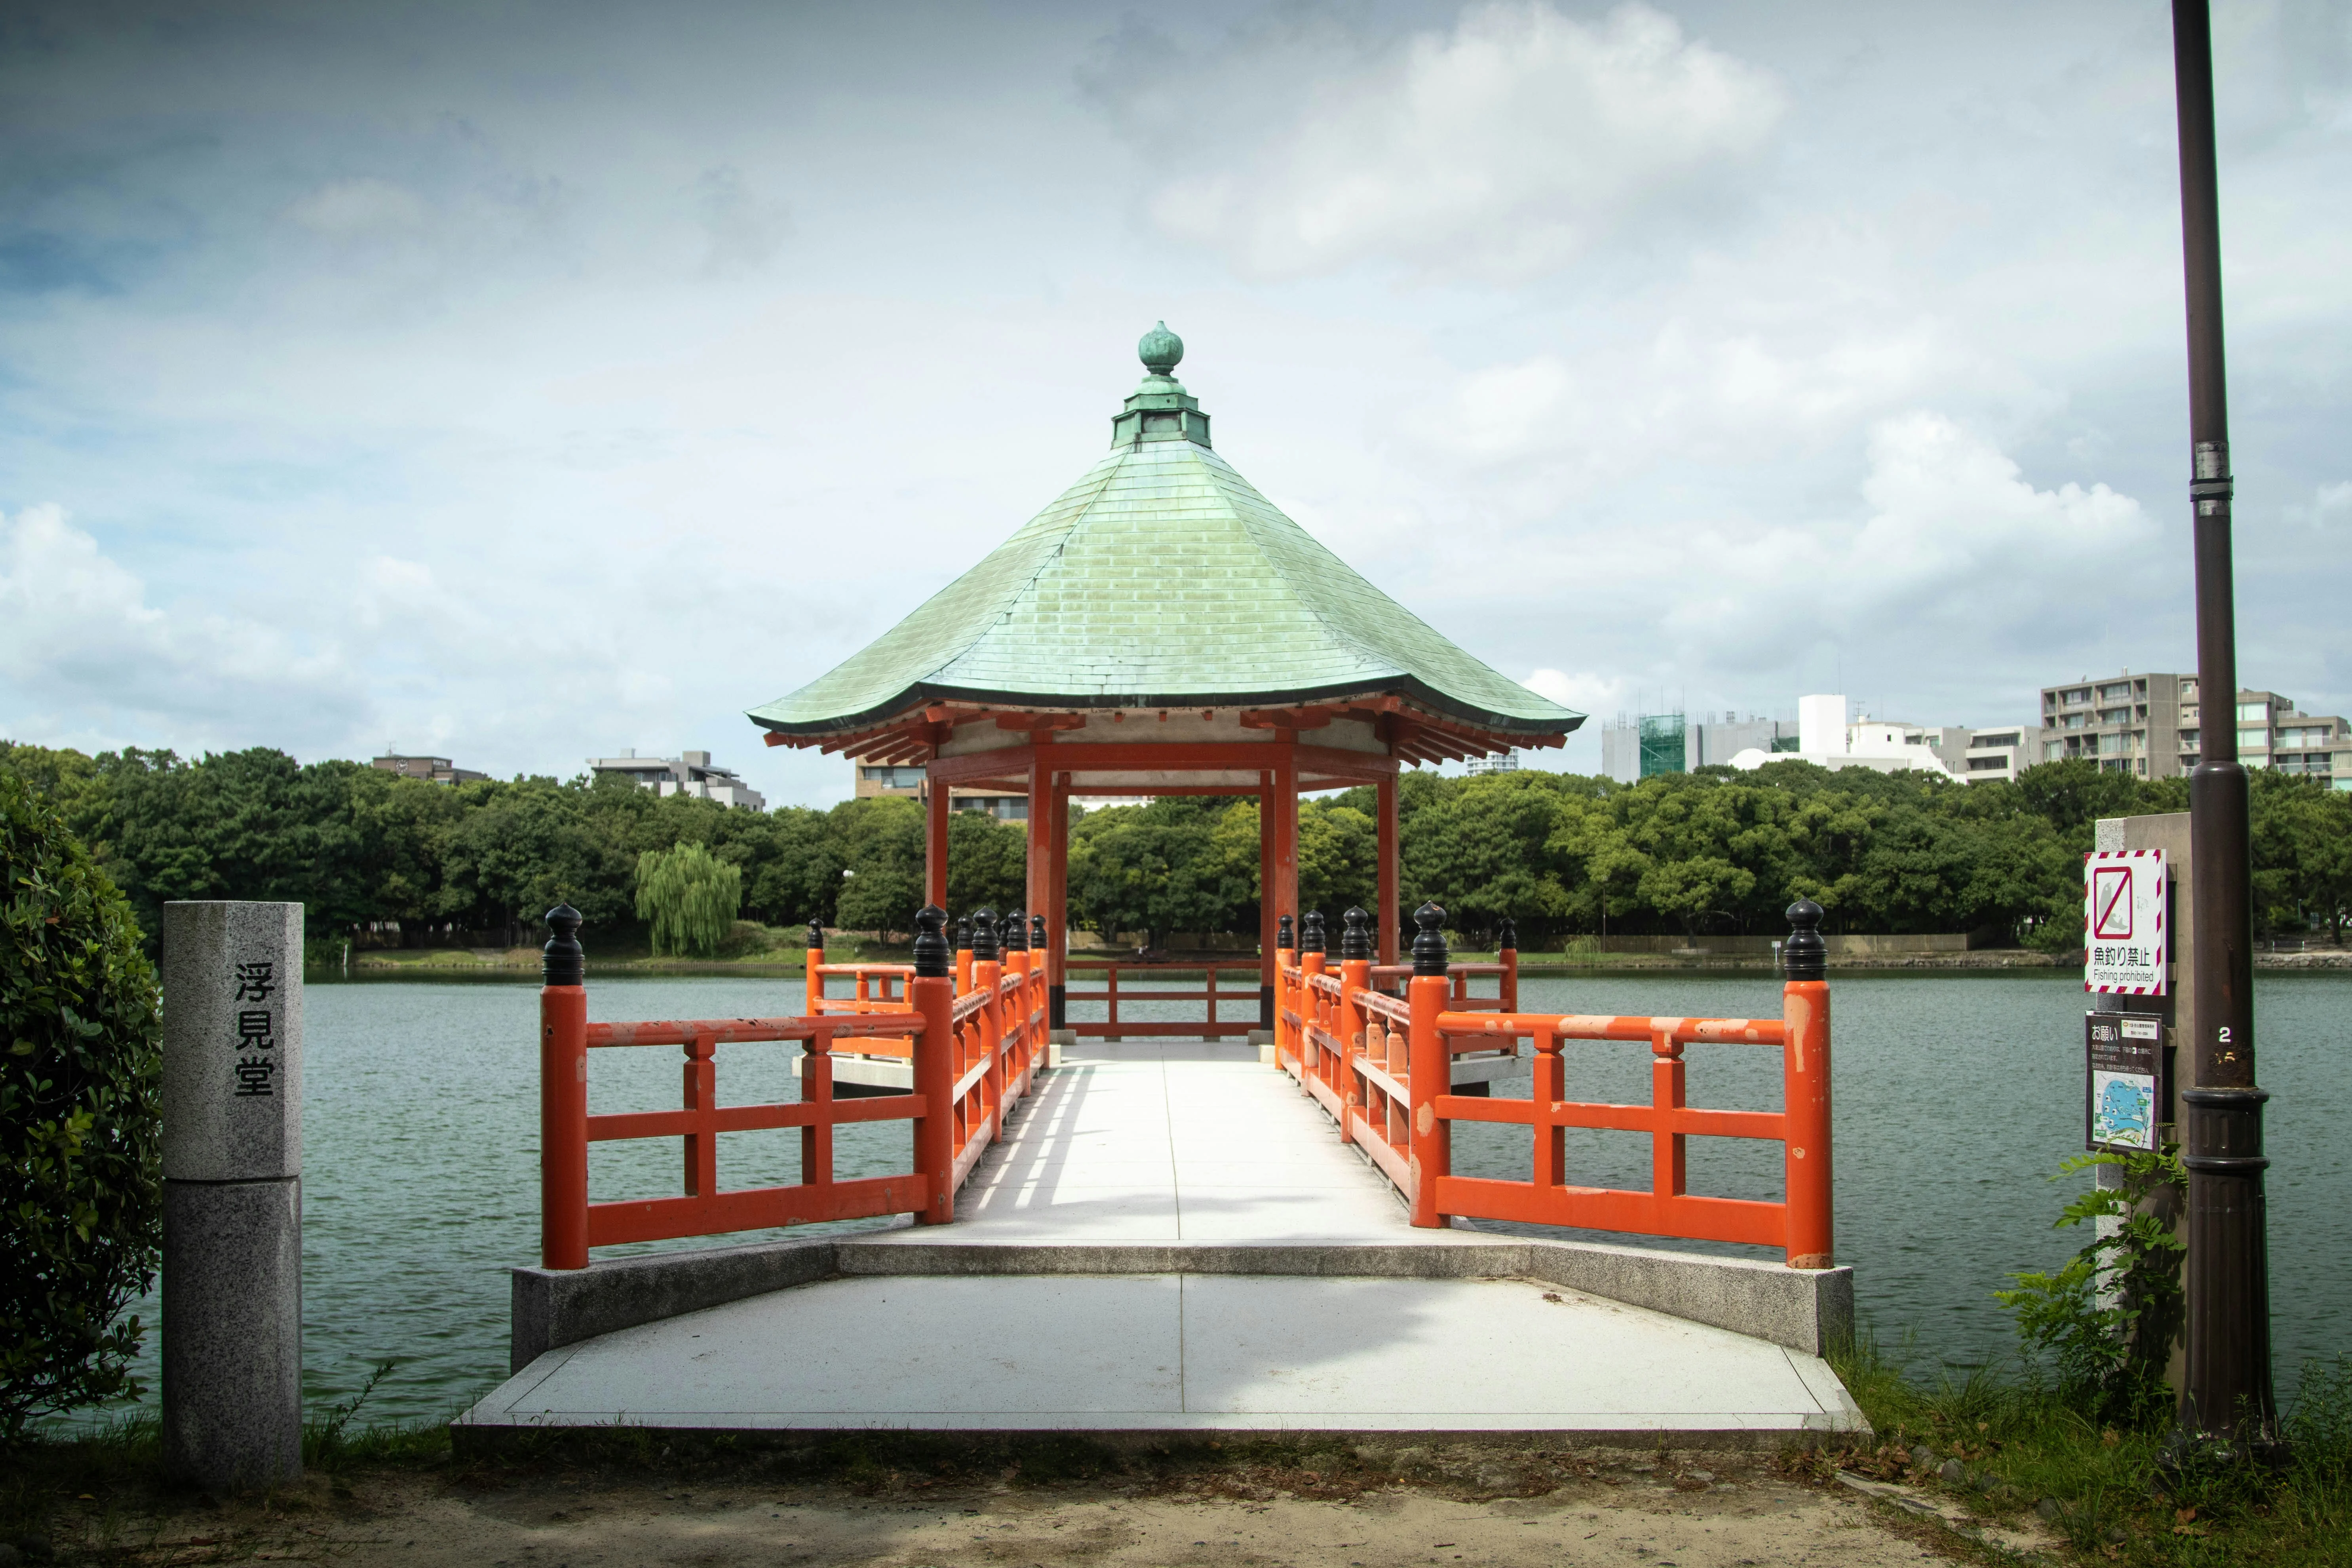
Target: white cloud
1500	151
1584	691
2329	505
745	228
78	636
361	209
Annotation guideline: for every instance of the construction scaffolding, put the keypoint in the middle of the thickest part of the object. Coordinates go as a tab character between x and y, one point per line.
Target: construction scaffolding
1663	749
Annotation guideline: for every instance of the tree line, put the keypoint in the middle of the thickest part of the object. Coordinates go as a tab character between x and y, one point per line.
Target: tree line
1564	855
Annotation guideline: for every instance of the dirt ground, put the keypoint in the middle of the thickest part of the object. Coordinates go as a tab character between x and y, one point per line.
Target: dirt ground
1693	1511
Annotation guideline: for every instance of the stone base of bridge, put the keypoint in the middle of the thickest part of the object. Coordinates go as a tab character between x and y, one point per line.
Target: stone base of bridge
1170	1240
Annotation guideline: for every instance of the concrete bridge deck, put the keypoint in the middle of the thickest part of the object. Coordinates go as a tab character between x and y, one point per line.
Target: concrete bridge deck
1171	1238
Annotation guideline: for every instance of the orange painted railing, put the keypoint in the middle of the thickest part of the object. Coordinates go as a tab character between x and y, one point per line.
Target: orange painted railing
973	1057
1381	1067
1111	1027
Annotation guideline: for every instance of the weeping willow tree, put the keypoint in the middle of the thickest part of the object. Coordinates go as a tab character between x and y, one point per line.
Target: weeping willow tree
688	897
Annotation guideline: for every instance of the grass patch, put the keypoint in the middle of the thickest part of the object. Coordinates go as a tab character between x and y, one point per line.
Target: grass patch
2021	1449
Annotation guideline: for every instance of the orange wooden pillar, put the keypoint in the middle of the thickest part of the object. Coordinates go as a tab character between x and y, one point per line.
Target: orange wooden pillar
1057	904
1285	835
1039	866
935	843
1266	936
1385	795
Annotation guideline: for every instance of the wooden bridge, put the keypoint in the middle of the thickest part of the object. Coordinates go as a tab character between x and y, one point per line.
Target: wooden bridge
1174	1236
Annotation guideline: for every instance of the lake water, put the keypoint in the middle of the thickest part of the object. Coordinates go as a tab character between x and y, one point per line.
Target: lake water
1956	1096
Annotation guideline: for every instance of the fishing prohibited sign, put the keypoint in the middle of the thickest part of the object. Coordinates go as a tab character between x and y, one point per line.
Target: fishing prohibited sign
2124	937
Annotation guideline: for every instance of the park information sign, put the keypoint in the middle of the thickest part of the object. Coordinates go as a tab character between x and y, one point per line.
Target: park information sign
2123	1086
2123	922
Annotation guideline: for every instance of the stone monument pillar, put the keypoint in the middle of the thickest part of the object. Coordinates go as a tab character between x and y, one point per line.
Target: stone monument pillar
233	1193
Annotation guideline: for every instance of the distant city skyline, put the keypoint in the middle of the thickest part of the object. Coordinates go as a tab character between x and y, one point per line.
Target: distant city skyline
524	383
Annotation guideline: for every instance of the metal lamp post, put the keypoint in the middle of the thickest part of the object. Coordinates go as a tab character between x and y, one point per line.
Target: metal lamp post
2227	1394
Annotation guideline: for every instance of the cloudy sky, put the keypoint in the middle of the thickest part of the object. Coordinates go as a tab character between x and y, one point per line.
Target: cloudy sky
525	382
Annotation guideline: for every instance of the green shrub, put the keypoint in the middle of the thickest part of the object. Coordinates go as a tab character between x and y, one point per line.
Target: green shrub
81	1133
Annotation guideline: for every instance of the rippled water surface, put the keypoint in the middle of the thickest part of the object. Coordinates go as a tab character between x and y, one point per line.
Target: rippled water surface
1956	1097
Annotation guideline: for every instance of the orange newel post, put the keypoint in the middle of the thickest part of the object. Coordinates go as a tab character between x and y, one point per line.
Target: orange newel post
1041	994
1356	939
1805	1012
1287	1047
564	1095
986	971
814	1004
1015	933
932	991
1429	1066
1312	961
1506	937
963	956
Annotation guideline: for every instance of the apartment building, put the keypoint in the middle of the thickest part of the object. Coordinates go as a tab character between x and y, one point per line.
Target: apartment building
911	783
432	770
2150	725
689	772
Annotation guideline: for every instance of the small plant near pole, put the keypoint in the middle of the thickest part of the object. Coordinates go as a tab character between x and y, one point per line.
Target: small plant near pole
2105	1320
689	897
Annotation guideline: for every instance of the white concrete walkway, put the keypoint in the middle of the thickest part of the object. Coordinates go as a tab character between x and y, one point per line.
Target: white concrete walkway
1187	1145
1180	1141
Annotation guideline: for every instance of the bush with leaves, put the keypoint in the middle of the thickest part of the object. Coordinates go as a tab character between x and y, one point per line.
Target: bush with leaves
80	1129
688	897
2105	1323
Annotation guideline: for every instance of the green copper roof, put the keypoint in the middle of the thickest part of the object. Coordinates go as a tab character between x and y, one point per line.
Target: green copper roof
1161	578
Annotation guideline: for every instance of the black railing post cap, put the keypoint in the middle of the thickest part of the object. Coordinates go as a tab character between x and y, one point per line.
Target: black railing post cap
563	962
1429	954
1356	934
1313	936
983	935
1283	936
816	934
1507	932
1037	932
1016	930
1805	956
932	959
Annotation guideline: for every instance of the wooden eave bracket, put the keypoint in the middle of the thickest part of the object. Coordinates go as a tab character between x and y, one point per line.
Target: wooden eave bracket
1288	718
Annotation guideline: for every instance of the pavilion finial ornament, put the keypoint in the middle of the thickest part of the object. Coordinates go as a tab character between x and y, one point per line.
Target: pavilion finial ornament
1161	349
